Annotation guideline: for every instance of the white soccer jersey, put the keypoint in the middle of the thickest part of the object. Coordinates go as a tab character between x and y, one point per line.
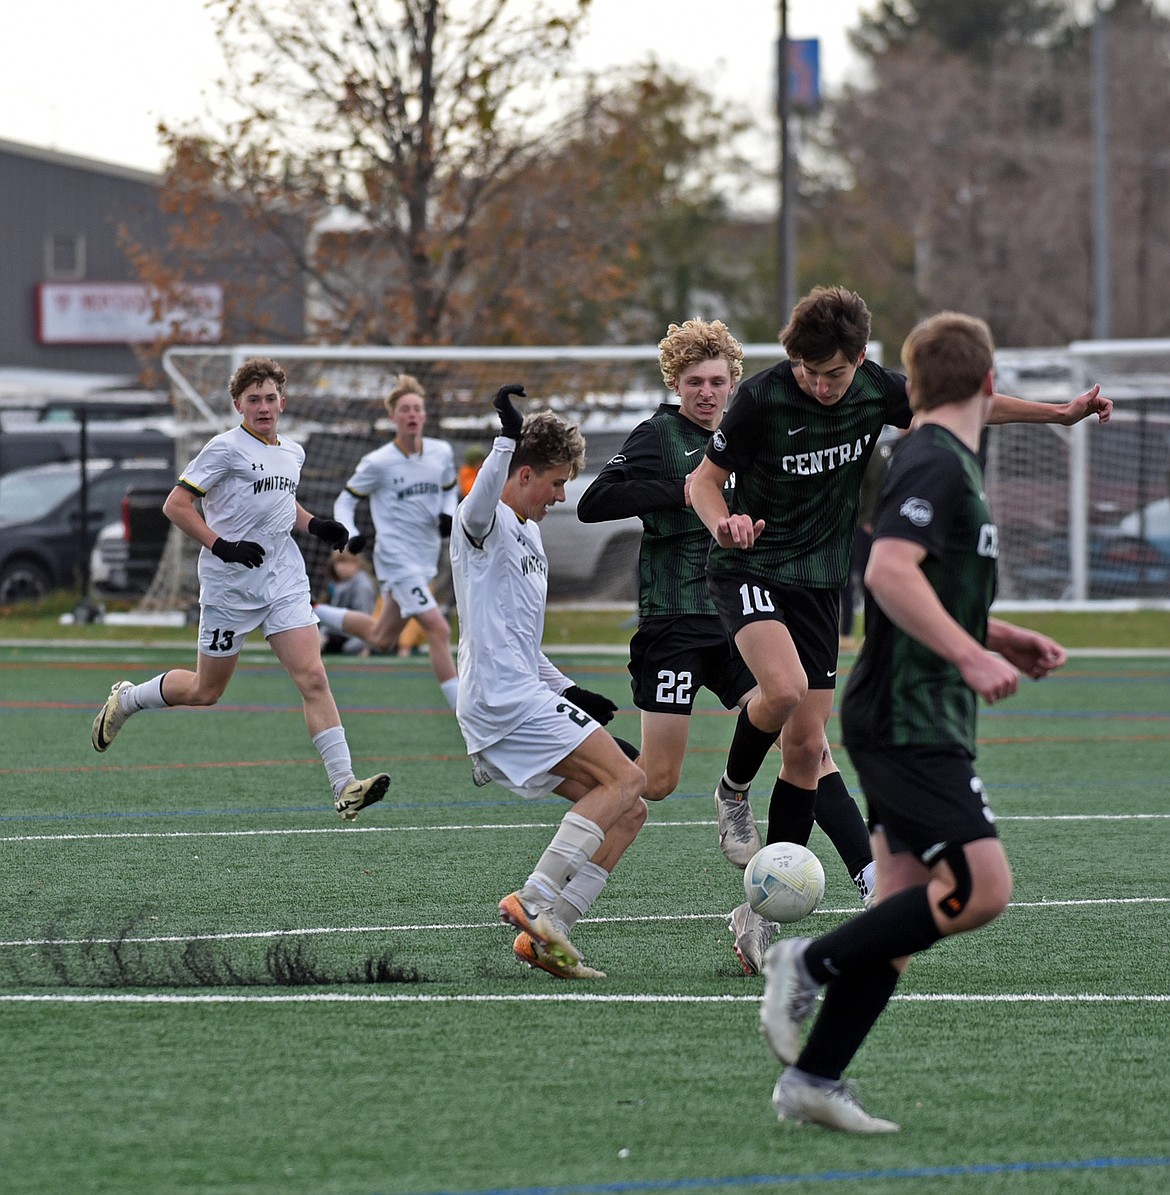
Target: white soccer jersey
407	494
249	491
501	585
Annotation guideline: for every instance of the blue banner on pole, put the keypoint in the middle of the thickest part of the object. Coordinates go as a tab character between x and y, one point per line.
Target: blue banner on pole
804	72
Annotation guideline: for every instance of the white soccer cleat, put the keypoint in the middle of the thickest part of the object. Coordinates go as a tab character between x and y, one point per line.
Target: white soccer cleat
753	936
789	997
358	794
739	839
836	1107
866	882
111	717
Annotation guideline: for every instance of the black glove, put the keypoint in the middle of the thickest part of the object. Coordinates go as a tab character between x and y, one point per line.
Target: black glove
444	526
335	534
511	421
238	551
596	705
356	545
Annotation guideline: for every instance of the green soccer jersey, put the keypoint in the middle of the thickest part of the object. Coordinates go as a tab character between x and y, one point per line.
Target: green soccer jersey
798	465
646	479
900	693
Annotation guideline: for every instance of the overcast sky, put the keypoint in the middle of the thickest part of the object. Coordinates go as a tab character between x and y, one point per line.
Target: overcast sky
94	77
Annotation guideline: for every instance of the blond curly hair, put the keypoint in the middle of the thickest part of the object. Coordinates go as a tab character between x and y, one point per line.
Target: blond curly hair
698	340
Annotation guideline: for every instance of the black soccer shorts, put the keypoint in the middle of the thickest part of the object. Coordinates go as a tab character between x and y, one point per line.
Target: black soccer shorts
672	658
811	616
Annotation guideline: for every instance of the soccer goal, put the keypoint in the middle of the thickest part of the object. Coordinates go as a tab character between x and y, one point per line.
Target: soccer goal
1083	512
335	411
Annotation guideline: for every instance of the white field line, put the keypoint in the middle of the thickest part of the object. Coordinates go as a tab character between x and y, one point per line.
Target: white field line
463	927
547	998
446	829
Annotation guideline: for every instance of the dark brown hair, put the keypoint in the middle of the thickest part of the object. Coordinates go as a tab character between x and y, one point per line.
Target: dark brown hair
256	369
828	320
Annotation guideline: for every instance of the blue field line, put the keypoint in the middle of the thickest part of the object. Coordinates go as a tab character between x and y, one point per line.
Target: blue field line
825	1176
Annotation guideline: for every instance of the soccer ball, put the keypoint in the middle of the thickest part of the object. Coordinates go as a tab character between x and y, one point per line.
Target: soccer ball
784	882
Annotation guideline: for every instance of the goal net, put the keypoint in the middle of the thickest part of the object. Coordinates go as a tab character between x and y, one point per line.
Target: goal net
1083	512
335	411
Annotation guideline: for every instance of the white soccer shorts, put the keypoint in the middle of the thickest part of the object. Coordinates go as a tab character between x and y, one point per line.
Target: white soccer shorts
523	761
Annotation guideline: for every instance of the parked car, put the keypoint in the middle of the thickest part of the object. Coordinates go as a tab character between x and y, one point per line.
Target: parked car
126	554
590	560
1152	522
1129	559
52	441
596	561
43	543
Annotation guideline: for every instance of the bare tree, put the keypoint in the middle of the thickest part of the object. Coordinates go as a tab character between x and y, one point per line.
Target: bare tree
408	117
987	167
433	171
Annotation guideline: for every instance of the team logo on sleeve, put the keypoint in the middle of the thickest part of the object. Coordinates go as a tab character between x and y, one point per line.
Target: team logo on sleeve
719	441
918	511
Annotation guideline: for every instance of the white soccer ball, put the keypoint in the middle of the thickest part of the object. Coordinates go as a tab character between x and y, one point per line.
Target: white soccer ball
784	882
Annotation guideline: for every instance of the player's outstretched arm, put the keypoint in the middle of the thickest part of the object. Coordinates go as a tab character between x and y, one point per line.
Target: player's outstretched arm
476	514
1006	409
345	512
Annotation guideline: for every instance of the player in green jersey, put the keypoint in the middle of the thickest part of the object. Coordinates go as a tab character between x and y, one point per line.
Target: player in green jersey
798	438
681	645
908	720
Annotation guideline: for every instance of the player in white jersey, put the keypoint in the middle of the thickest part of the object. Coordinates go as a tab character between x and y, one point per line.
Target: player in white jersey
526	725
251	574
411	485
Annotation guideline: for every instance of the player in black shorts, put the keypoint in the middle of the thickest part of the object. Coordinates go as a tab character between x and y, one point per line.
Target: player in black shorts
798	438
681	645
908	720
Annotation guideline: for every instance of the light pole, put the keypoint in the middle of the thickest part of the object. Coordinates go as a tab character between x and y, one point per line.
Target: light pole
786	223
1102	310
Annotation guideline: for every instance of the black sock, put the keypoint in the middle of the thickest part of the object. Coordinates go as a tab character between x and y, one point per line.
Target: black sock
749	746
902	925
837	814
848	1012
790	814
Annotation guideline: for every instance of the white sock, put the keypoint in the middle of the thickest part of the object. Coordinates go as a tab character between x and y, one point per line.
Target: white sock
331	617
578	895
335	755
576	841
146	696
450	690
